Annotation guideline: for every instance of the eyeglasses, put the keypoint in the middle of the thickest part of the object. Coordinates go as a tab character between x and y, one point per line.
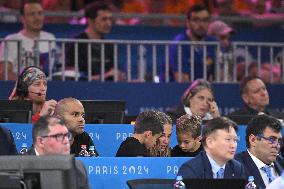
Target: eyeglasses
59	137
271	140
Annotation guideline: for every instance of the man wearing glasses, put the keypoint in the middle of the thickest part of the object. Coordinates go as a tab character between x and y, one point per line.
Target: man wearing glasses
193	59
51	137
262	159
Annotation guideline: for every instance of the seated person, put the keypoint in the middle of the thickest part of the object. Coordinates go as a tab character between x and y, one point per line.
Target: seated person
188	131
7	143
197	99
162	148
219	140
256	99
72	112
51	137
262	160
32	85
147	129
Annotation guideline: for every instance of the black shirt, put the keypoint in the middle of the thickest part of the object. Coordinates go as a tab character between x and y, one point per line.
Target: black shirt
7	143
81	139
177	152
95	56
131	147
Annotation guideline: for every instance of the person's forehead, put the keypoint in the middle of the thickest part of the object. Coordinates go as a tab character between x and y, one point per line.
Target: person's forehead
167	128
200	14
225	132
74	106
185	136
57	128
267	132
104	13
30	7
40	81
254	84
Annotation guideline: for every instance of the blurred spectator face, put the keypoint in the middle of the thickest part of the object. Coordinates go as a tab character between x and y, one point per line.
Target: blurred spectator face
164	140
222	31
74	117
187	143
33	17
198	23
256	95
200	102
53	143
38	87
102	24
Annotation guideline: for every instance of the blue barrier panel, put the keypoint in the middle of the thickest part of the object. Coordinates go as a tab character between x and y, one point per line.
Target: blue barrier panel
111	172
107	137
150	95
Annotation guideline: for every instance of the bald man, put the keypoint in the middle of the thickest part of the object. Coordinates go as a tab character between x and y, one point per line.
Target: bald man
72	112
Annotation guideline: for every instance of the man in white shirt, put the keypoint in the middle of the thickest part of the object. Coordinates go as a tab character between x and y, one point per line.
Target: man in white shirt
20	55
262	159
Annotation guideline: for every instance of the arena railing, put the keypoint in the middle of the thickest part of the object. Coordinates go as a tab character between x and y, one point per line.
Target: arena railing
144	60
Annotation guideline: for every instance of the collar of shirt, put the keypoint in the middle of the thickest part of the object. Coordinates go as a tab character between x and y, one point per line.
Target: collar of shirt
215	166
207	116
258	162
36	152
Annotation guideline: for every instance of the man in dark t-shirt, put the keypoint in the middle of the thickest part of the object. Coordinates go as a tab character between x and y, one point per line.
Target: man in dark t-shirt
72	112
147	129
99	23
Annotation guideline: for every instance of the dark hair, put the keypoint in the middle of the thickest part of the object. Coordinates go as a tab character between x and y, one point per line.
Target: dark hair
219	123
259	123
24	2
91	10
195	8
189	124
244	82
196	86
41	126
148	121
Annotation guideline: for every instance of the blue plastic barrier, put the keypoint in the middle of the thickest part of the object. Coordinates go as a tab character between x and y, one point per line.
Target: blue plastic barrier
111	172
107	137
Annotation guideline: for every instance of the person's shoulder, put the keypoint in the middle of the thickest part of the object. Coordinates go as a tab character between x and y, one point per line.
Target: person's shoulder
181	37
81	35
46	35
12	36
4	130
242	157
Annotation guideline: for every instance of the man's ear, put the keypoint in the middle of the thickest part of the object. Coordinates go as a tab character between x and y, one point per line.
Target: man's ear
245	98
252	140
209	141
40	142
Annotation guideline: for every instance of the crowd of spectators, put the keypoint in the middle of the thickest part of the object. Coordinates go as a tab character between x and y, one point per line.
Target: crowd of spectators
260	9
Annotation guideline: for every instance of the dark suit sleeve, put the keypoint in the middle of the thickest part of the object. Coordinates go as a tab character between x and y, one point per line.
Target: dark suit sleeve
81	176
186	171
7	146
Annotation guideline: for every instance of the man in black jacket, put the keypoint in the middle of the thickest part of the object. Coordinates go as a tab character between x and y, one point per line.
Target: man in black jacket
7	143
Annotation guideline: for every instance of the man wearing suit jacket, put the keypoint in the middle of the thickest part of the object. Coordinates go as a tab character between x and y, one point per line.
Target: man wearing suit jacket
219	140
51	137
263	139
7	143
